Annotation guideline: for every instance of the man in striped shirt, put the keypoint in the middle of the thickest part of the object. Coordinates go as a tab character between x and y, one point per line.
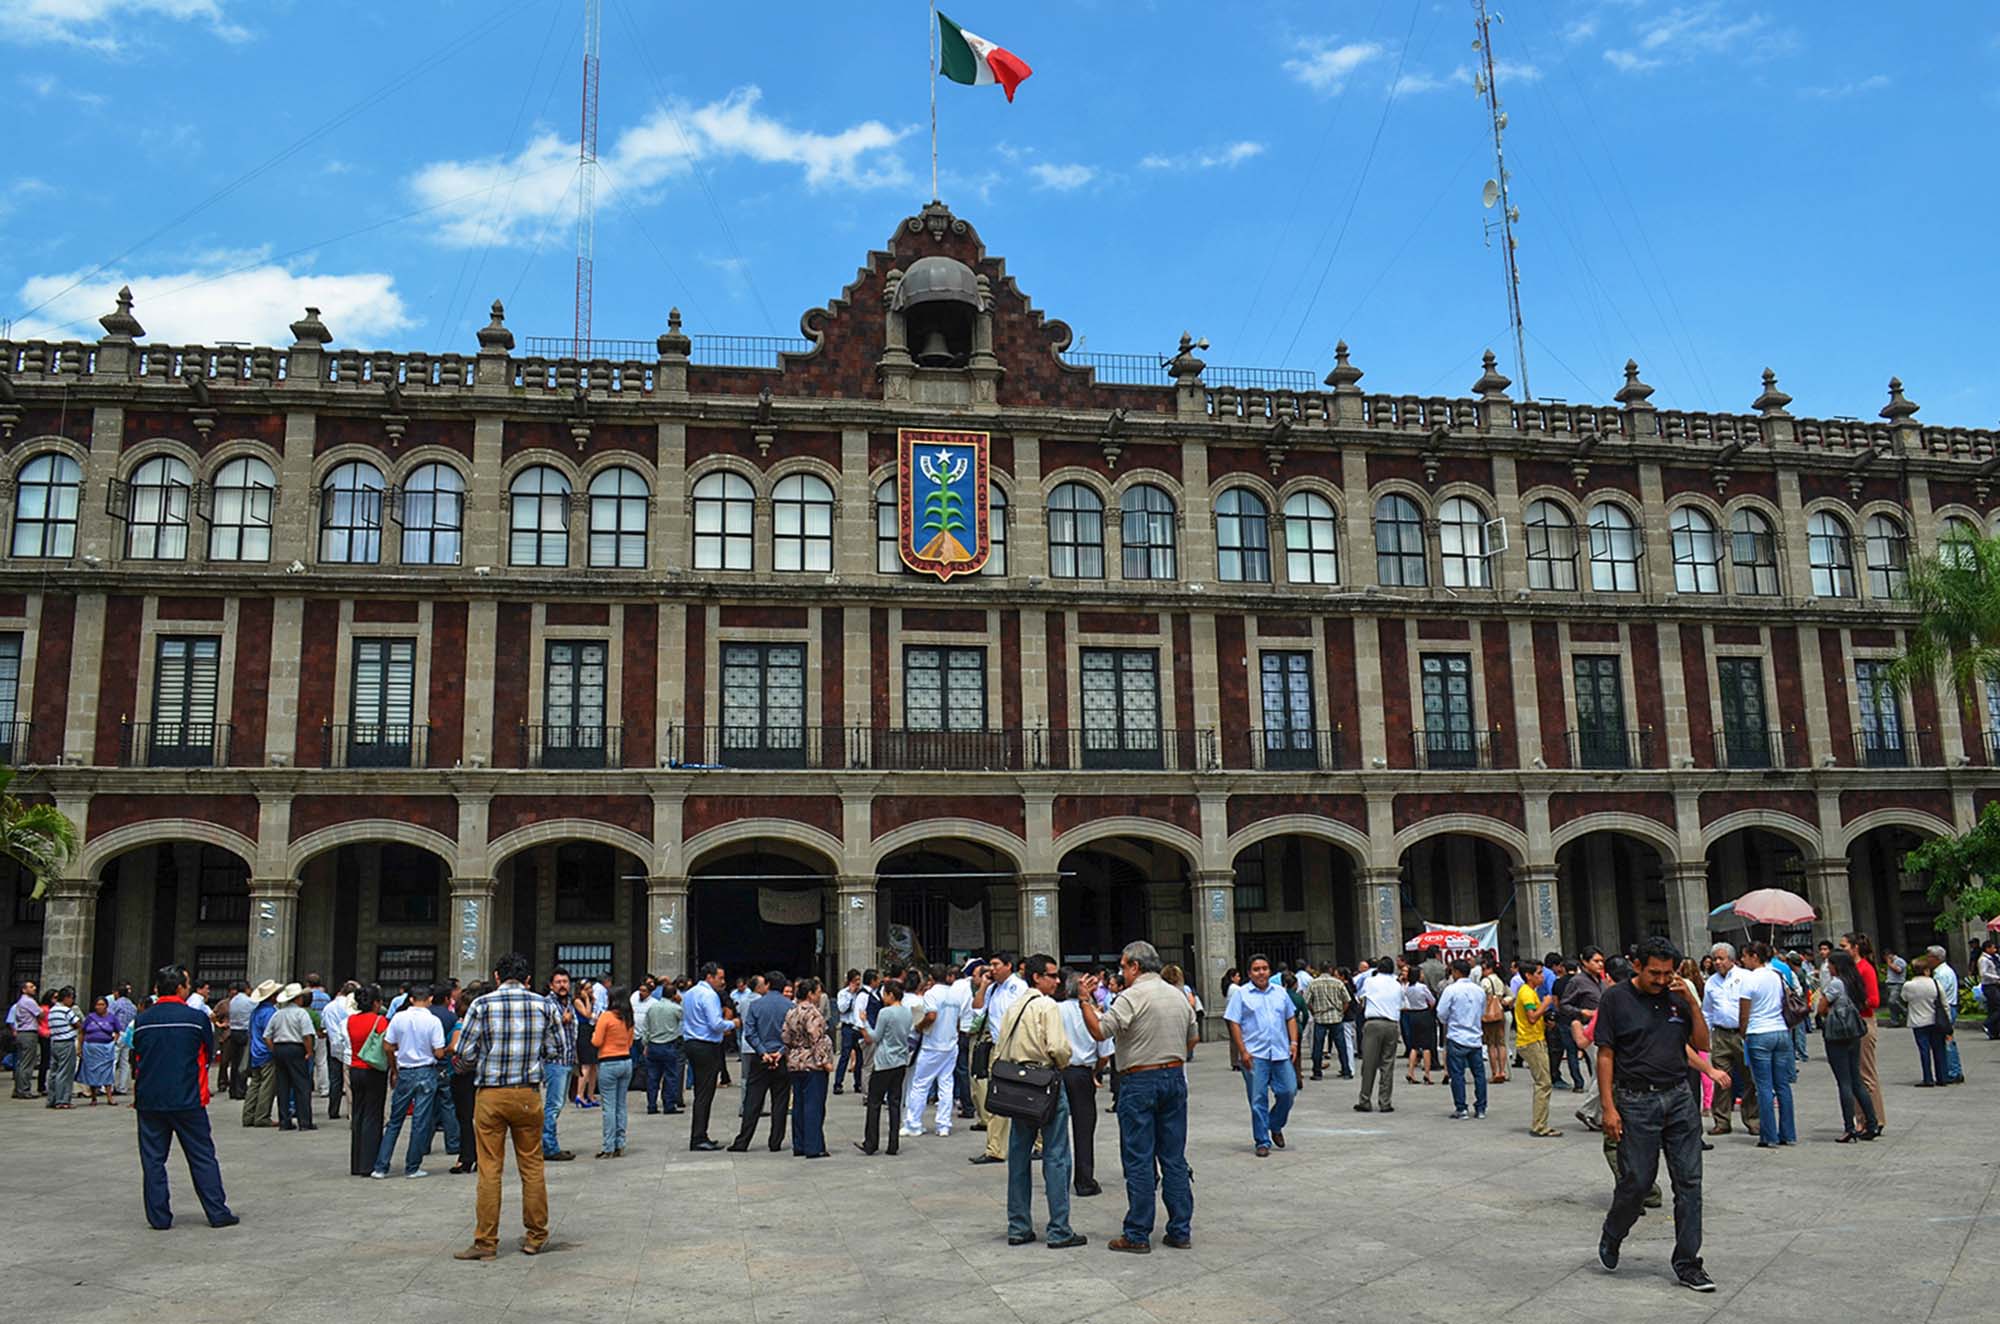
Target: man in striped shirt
508	1037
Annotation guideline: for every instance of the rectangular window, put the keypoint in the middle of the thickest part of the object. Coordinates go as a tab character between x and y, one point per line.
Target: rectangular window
1121	708
408	896
584	960
25	963
1883	741
186	676
413	965
221	966
382	706
13	733
764	705
1746	733
944	689
27	909
586	884
1448	739
1251	893
225	888
1600	713
573	681
1288	739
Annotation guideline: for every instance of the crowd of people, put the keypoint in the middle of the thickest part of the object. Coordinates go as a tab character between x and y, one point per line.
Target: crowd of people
1016	1049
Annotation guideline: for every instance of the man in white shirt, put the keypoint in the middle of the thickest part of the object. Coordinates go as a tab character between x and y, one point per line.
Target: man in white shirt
416	1041
995	988
1989	985
333	1020
1767	1044
937	1025
1381	1027
1079	1080
1719	1007
850	1033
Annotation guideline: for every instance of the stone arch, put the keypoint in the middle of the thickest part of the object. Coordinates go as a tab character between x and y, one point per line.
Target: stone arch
1341	835
552	831
1145	829
1159	478
1651	831
749	831
1250	482
101	850
34	447
1789	826
239	448
1916	820
915	834
736	464
1089	478
1504	835
362	831
539	457
325	463
154	447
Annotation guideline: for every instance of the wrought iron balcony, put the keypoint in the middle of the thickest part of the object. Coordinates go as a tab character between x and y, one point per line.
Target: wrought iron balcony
1752	751
555	746
1456	750
174	744
769	746
1610	749
1274	750
374	745
14	742
1897	748
1131	749
902	750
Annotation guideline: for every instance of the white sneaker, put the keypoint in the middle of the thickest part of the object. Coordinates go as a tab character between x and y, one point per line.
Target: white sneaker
912	1134
412	1176
942	1134
379	1176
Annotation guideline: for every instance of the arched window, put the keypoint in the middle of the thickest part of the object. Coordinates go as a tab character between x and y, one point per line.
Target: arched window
1830	552
1076	533
1753	549
888	560
433	516
538	517
350	515
1399	543
1551	547
156	511
1614	549
722	522
1955	543
1888	558
1147	532
239	519
1243	537
996	531
1462	544
1697	552
45	500
801	524
1312	544
618	508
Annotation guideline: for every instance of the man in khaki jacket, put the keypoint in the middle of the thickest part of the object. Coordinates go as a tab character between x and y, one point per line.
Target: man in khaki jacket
1032	1031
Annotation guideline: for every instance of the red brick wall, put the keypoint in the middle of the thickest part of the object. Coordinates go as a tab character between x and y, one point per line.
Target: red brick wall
1650	700
52	652
351	430
1284	627
1444	629
702	812
641	684
178	425
633	438
577	613
319	657
1787	679
1302	462
1549	683
1247	809
1089	455
447	704
1833	661
634	813
889	812
389	610
1496	644
1394	642
1234	719
878	667
742	444
1416	808
1694	675
513	638
1117	622
1058	678
250	692
1719	804
310	813
1182	811
1742	482
1010	671
1853	804
190	609
937	620
1384	465
118	674
694	691
1567	806
832	671
1556	473
1593	632
236	812
1343	702
1183	637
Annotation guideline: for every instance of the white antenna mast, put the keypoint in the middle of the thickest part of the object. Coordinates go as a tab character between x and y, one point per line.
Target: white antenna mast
586	183
1486	84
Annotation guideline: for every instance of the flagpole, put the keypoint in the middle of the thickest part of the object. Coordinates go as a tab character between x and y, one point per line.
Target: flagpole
932	43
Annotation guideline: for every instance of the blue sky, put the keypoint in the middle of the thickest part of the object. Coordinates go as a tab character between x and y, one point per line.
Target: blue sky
1709	187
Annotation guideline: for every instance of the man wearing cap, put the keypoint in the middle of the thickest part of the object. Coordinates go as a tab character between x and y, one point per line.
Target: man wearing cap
171	1046
262	1091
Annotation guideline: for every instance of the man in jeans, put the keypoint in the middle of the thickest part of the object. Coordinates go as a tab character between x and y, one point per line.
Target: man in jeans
24	1019
1155	1030
1460	1011
1264	1039
556	1071
416	1042
660	1023
1032	1031
1327	1000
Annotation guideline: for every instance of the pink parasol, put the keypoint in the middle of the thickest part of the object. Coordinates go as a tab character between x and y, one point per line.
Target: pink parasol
1993	925
1774	905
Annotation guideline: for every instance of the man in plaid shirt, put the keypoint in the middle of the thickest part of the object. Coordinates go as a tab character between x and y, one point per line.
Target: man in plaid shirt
507	1038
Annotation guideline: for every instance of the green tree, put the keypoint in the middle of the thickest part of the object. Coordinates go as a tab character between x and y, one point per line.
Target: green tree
1959	871
40	838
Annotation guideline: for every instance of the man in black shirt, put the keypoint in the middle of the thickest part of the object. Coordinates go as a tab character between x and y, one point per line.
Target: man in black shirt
1644	1030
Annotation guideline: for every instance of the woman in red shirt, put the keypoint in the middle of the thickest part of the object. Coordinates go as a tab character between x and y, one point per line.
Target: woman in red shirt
367	1086
1863	952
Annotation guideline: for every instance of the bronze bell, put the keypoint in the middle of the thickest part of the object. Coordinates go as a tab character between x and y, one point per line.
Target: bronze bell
934	352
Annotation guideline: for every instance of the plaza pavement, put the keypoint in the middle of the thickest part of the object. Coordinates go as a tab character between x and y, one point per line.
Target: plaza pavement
1406	1216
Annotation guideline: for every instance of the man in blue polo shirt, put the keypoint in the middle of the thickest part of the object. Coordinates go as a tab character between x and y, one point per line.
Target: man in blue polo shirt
171	1047
1264	1036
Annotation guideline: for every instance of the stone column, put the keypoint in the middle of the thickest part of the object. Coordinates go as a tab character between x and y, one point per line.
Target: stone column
1538	926
69	934
472	955
1382	908
854	922
1830	889
274	922
1041	913
666	927
1687	906
1214	938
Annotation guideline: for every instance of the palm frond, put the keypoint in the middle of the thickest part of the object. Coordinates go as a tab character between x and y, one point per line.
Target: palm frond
40	838
1956	594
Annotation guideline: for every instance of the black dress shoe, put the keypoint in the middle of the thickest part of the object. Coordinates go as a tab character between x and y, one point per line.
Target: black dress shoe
1073	1239
1181	1243
740	1148
1020	1239
704	1146
864	1149
560	1156
985	1158
227	1220
1089	1188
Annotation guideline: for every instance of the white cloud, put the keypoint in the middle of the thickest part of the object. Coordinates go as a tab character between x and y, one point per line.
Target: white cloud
1231	155
1630	62
1325	66
47	87
1062	178
211	302
18	193
1583	29
526	191
99	24
1853	88
1688	32
1508	71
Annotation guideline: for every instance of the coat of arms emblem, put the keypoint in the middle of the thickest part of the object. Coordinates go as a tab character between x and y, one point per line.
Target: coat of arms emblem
943	515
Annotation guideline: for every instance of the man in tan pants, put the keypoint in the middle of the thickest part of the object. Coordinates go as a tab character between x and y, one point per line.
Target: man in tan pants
504	1040
995	988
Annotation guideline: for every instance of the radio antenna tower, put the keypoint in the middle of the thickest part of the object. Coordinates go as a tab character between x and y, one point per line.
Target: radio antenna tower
1486	84
586	182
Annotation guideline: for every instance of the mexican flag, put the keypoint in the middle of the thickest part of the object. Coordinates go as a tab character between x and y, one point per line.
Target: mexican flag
966	57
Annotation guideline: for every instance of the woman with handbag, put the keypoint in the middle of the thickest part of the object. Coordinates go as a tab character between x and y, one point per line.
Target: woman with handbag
1839	1005
367	1079
809	1061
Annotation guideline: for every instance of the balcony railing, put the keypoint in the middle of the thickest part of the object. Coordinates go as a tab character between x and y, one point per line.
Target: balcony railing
1759	750
174	744
1897	749
758	746
1610	749
374	745
14	746
1274	750
1131	749
550	746
1439	750
900	750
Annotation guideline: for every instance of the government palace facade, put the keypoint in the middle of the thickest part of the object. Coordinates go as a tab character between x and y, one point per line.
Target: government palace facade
378	664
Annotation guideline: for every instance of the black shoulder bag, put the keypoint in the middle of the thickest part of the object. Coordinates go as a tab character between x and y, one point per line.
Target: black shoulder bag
1022	1091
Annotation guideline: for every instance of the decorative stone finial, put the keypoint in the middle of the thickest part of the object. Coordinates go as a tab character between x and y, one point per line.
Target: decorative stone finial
1634	393
1772	403
1900	408
675	344
1345	376
309	330
119	324
1186	367
494	337
1491	384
